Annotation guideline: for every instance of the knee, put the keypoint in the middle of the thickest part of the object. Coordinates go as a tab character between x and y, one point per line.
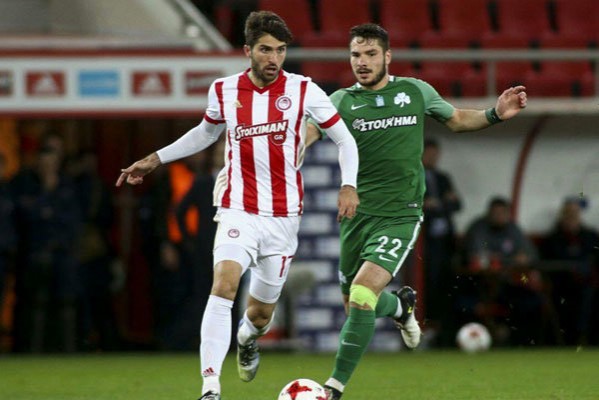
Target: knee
226	289
362	297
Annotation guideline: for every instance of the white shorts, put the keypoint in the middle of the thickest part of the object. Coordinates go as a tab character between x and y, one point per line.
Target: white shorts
271	243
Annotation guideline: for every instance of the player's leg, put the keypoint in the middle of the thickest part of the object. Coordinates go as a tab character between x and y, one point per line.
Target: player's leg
216	323
255	323
356	236
384	249
389	246
278	244
234	252
358	329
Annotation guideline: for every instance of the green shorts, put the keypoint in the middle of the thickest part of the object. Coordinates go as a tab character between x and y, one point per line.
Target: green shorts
385	241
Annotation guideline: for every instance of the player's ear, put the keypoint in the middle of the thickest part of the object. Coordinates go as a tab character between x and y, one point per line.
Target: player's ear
388	57
247	50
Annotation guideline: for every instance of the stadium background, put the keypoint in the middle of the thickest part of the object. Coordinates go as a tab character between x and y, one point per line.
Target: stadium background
128	77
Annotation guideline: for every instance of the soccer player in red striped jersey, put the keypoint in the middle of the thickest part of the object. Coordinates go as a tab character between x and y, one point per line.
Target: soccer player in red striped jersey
259	192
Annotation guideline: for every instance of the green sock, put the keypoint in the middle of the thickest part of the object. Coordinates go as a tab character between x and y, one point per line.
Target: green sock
353	342
387	305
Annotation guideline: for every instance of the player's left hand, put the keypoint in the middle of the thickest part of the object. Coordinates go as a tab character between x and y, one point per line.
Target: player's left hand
347	203
510	102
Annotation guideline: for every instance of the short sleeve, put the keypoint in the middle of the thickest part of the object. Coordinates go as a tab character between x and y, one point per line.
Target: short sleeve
214	112
319	107
436	106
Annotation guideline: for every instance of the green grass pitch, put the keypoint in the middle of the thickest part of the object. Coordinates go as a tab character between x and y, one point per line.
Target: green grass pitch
508	374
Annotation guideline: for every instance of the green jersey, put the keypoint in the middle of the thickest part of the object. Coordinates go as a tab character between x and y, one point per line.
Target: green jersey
388	126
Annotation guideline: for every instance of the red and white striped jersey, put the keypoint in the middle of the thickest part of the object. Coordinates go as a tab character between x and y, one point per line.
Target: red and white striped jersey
265	130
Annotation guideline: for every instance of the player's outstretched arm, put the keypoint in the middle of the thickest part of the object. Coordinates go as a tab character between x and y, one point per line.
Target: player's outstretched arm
508	105
134	174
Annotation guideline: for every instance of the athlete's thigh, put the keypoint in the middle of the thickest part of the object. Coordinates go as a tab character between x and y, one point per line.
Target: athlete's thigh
277	249
353	236
236	228
390	241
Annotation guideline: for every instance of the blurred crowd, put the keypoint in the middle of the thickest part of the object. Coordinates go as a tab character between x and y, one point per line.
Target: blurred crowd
527	289
63	274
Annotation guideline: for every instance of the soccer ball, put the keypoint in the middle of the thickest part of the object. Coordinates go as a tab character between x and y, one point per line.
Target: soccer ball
473	338
302	389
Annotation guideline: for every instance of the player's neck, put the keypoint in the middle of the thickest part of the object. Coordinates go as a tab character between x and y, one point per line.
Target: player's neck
259	83
379	85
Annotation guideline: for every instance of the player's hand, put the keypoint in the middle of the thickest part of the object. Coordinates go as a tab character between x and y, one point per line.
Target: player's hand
510	102
347	203
134	175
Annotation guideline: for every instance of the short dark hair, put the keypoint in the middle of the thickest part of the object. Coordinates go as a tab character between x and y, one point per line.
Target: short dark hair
260	23
371	31
499	201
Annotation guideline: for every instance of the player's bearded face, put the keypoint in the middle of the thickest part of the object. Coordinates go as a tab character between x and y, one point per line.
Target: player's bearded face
267	57
369	62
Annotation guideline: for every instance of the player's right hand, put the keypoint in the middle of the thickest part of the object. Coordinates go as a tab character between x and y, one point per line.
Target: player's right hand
134	174
347	203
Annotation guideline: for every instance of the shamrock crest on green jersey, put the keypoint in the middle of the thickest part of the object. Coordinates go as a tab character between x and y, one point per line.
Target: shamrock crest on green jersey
402	99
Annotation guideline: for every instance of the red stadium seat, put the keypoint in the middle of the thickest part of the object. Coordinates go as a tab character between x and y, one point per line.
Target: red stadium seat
564	78
466	19
448	76
559	41
453	79
551	84
526	20
405	20
326	74
298	17
511	73
499	40
578	19
335	18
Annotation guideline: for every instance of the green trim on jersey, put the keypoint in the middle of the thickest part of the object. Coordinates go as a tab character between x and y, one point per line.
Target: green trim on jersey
388	126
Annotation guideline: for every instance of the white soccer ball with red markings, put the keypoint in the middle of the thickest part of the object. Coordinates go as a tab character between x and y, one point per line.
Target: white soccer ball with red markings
302	389
473	338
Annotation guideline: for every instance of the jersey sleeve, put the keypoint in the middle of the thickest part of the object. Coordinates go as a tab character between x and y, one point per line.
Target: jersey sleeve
214	111
319	107
336	100
435	105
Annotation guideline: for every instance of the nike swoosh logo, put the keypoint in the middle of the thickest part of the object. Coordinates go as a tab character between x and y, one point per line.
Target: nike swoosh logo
355	107
385	258
343	342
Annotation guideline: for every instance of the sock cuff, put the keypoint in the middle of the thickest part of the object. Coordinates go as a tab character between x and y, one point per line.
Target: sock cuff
220	301
335	384
361	316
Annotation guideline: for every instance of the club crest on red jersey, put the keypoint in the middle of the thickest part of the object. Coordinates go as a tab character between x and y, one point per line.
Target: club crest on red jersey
283	103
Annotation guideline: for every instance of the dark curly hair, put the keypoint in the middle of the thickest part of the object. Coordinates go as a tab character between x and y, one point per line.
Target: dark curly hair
260	23
371	31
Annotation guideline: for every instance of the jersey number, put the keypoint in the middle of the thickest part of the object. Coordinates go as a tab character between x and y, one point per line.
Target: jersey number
384	240
285	263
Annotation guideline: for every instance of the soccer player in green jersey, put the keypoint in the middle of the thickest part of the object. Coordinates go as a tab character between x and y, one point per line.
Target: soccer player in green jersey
385	114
